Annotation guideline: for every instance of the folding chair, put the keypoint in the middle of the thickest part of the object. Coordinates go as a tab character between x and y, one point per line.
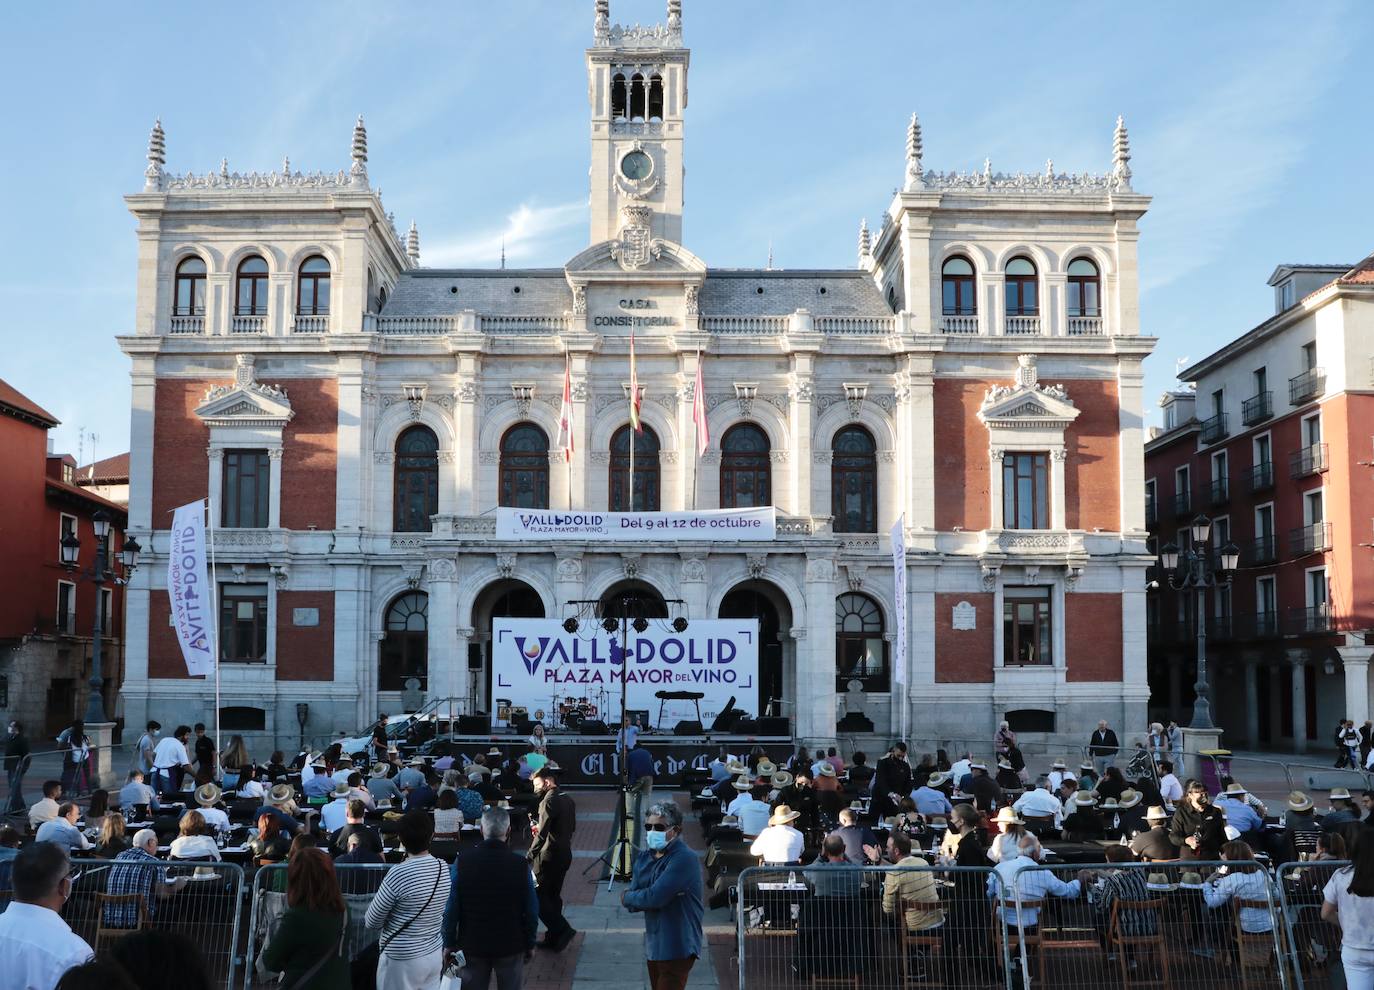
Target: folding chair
1059	938
912	942
1015	937
1255	950
1134	946
114	932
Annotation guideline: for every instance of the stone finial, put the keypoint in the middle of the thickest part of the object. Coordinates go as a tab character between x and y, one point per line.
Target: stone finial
358	173
1121	156
602	26
413	245
674	15
157	156
865	248
913	154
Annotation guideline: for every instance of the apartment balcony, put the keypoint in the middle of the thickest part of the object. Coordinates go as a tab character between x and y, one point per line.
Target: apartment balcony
1220	491
1151	512
1255	625
1316	619
1260	478
1309	539
1307	386
186	323
1214	429
1022	326
1168	633
1085	326
1183	504
1221	628
959	323
1261	551
248	323
317	323
1307	461
1257	408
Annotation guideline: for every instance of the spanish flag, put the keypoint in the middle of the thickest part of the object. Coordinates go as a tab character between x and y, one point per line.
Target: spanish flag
634	389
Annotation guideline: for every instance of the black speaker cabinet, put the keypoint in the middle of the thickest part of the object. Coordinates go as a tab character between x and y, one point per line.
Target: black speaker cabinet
474	725
524	727
594	728
746	727
687	729
774	726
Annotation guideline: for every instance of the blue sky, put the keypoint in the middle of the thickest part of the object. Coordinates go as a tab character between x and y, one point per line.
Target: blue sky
1248	127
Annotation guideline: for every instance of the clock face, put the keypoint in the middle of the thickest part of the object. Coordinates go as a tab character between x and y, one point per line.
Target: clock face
636	165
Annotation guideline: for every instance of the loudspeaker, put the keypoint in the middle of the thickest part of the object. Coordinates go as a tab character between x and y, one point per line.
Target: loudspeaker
746	727
524	727
685	728
594	728
474	725
774	726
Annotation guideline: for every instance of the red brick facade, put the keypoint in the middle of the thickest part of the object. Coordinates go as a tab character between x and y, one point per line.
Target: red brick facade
964	656
1092	637
305	653
1092	472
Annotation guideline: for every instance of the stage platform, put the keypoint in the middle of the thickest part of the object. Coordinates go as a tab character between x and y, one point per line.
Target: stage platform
594	761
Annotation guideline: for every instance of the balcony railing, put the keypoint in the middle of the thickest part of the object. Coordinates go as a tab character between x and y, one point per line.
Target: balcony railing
1214	429
248	324
1022	326
417	326
1307	386
1257	408
1261	476
1220	491
745	324
1183	503
521	324
1314	619
186	324
1309	539
1085	326
1221	628
1307	460
310	324
1260	551
857	325
959	323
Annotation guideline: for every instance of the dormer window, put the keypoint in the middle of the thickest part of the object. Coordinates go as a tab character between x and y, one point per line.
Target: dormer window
1286	295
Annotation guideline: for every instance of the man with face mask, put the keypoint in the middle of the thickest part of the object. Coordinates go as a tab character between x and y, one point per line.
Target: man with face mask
1198	828
16	764
550	856
667	888
892	781
144	749
36	945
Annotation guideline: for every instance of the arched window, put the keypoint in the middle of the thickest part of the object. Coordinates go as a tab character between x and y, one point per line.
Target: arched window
745	468
646	479
417	480
250	298
957	287
1022	297
525	467
860	650
189	297
312	288
405	646
655	97
1085	288
619	92
854	481
637	97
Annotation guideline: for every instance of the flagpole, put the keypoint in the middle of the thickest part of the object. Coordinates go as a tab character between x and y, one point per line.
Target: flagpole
696	435
214	606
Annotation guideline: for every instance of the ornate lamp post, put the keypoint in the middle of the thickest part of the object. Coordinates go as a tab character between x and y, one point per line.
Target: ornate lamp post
1195	567
103	571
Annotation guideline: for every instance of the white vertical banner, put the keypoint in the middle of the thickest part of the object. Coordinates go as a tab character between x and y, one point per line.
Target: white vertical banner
899	620
193	611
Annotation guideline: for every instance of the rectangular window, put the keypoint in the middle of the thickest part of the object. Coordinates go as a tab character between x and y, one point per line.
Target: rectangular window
66	528
1316	588
1286	295
1265	602
1025	491
1218	402
1026	627
1221	531
247	486
1261	376
1264	522
66	607
243	622
1263	450
1312	505
1312	430
1220	469
1309	356
106	609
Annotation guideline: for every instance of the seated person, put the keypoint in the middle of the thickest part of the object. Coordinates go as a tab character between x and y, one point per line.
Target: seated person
1065	792
1250	799
1154	844
831	875
914	888
276	767
194	839
1130	814
207	797
860	844
720	766
281	804
137	795
382	787
1242	878
271	843
860	773
932	797
1088	777
249	784
46	809
1110	786
1342	809
357	790
1239	815
334	814
1040	802
1122	885
1007	778
340	840
319	785
1083	823
1034	885
421	796
753	813
987	796
779	843
469	801
826	779
63	831
448	819
112	840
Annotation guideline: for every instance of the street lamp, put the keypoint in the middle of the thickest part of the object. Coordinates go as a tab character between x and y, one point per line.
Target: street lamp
1193	566
102	571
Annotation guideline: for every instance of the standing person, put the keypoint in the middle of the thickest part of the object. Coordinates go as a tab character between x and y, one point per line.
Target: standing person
171	762
76	752
1103	747
1348	901
16	765
1174	735
550	856
1351	740
310	935
36	945
205	755
142	757
1198	828
1004	740
379	739
236	759
409	911
667	888
891	780
492	915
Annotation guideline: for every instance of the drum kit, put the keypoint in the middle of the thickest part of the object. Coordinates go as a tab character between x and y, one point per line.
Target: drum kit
570	711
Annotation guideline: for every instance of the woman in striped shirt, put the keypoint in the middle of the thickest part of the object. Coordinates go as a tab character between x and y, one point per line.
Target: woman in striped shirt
409	911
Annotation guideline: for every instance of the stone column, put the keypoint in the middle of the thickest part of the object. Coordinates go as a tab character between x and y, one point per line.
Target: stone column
444	660
801	417
1275	704
815	697
466	471
459	690
1251	660
916	457
274	454
1298	659
1058	501
102	739
1355	660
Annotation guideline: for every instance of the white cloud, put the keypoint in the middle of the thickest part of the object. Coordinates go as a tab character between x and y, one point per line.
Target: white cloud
526	233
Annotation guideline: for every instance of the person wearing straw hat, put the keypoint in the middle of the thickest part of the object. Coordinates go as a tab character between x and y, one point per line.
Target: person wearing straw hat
1060	772
1083	823
930	798
826	779
1007	778
1153	843
334	815
751	807
1342	809
207	797
1301	812
1131	812
779	843
987	796
381	786
1239	814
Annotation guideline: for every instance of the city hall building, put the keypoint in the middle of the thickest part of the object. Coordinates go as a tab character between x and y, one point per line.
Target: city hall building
355	419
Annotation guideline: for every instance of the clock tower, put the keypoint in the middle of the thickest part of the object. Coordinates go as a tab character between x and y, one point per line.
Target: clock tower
637	87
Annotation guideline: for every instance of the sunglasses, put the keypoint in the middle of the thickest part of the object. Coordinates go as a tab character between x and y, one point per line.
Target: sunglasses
656	827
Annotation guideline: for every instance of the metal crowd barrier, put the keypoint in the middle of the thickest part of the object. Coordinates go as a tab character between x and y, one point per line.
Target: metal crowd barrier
1314	945
358	882
112	899
822	925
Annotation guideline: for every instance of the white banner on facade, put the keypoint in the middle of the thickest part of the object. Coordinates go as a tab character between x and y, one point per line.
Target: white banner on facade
717	525
562	678
189	590
899	618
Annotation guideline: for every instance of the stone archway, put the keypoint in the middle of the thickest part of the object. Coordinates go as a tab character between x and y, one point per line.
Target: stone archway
507	598
768	603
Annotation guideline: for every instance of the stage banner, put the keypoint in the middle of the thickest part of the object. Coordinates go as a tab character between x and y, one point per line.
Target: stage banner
899	619
189	590
708	525
563	679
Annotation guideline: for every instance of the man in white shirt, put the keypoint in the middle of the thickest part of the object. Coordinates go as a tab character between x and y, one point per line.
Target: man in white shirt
36	945
171	761
207	796
745	787
334	815
1169	787
1059	772
1034	885
46	809
1039	801
780	842
962	768
343	770
63	831
751	809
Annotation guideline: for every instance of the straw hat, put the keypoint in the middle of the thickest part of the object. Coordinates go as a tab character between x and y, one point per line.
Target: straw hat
743	784
1159	881
782	778
782	815
978	766
1298	801
735	766
1008	816
1156	814
1058	765
207	795
281	794
1085	799
1235	789
1156	727
1109	804
341	789
494	751
1130	798
1085	765
417	761
1191	879
378	770
766	767
1004	764
938	780
1340	794
827	770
